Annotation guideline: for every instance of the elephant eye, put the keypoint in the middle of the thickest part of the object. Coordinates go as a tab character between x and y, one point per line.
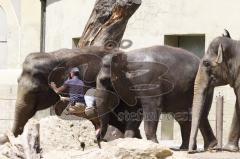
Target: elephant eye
206	63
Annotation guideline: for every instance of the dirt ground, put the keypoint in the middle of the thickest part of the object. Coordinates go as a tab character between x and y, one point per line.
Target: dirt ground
61	139
205	155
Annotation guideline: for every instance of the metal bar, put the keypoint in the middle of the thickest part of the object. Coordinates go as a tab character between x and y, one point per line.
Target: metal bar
219	120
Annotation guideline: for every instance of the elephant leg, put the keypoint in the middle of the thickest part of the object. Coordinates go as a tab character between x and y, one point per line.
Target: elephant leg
133	121
138	134
209	138
132	130
151	114
115	128
185	127
234	134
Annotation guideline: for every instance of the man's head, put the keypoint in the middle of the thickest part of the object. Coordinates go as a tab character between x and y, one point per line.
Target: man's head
74	72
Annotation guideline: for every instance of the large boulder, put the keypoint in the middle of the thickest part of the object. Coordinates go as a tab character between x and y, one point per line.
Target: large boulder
59	134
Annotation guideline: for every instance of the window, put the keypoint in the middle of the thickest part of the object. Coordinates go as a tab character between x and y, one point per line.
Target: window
75	42
192	43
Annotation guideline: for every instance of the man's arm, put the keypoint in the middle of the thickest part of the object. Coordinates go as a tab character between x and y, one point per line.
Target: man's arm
57	90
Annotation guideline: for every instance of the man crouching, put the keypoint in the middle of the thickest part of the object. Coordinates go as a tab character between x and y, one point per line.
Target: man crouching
75	87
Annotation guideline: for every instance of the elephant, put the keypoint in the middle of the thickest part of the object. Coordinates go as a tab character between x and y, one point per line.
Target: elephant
34	93
150	81
219	66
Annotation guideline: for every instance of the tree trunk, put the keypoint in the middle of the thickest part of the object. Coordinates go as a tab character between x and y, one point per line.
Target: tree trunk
107	22
106	27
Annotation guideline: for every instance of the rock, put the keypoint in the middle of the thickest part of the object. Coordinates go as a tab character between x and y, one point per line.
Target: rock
58	134
62	139
128	148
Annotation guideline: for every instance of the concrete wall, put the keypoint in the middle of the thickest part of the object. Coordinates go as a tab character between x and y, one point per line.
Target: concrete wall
22	34
23	29
65	20
30	27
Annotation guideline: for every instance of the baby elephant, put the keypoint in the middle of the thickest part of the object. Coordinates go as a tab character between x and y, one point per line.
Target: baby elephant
151	81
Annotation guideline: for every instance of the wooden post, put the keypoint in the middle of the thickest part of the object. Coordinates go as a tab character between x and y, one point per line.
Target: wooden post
43	25
219	120
167	126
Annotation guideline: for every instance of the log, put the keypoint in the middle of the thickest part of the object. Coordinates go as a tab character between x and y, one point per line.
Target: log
25	146
107	22
219	121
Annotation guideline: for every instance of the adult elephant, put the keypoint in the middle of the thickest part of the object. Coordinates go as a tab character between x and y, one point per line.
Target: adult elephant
151	81
34	93
219	66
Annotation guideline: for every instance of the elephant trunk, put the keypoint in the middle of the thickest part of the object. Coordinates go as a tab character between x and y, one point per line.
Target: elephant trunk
103	126
103	112
24	109
106	101
200	93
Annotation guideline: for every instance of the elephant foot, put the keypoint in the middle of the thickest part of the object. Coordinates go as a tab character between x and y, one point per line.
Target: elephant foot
210	145
138	135
231	147
129	134
178	149
102	140
153	140
195	151
183	147
3	139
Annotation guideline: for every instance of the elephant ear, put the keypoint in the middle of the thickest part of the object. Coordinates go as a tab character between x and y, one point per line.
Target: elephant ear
120	82
226	34
219	58
58	75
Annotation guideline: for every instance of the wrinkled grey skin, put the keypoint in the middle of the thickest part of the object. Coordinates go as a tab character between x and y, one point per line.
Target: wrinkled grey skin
219	66
34	93
172	70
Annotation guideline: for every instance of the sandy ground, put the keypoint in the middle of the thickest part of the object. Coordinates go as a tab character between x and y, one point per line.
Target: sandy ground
60	139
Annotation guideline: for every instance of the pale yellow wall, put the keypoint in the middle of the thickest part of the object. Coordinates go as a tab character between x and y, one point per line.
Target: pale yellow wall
23	35
66	19
13	36
30	27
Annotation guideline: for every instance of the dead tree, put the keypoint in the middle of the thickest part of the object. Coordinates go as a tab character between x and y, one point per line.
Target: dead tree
107	22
